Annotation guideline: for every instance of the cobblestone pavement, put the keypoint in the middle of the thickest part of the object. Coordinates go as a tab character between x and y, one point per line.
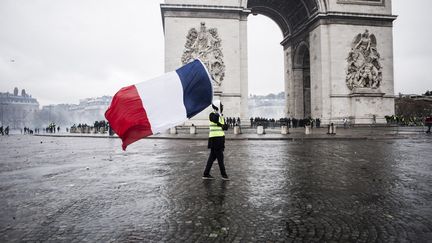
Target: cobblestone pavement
86	189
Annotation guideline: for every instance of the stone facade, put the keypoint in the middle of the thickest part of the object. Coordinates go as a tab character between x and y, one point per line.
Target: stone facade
87	111
332	98
230	23
321	41
17	111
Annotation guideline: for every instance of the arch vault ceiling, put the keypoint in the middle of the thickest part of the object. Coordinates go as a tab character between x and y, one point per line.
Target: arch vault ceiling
288	14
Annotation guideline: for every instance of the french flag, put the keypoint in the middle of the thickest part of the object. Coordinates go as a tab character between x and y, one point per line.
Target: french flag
153	106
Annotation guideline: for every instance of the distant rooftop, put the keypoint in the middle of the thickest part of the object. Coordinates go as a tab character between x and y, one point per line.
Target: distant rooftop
15	98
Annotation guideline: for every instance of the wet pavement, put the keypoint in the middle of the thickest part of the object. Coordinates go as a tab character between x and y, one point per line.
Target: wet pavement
67	189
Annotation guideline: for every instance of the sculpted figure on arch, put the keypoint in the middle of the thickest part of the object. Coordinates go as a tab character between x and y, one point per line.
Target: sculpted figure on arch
205	44
364	68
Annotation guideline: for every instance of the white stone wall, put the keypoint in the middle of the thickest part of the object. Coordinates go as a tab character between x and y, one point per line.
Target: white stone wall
342	37
233	33
331	98
315	52
365	108
321	66
355	6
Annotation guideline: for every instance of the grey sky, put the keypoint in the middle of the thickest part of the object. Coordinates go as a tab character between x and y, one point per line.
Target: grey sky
61	51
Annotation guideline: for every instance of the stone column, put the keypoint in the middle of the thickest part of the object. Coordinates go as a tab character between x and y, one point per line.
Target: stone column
289	79
320	67
244	114
298	93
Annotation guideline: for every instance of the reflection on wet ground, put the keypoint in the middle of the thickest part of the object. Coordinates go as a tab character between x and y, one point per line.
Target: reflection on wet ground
77	189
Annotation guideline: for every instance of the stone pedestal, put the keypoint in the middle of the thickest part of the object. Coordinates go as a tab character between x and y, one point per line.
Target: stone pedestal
284	130
260	130
331	129
236	130
173	130
193	130
308	130
370	106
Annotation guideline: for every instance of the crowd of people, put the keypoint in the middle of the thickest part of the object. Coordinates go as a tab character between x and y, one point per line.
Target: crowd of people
4	131
98	127
30	131
232	121
52	128
406	121
101	124
289	122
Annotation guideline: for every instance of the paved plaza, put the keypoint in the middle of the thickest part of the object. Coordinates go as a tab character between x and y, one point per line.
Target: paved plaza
68	189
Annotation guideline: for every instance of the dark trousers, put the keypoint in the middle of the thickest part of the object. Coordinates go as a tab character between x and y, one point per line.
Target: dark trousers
215	154
429	128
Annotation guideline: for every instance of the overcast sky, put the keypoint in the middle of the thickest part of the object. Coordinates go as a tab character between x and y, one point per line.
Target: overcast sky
61	51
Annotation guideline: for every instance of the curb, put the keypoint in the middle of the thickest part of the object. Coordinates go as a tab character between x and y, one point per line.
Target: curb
263	138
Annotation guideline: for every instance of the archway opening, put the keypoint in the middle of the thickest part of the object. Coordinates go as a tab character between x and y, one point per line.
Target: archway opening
265	68
302	82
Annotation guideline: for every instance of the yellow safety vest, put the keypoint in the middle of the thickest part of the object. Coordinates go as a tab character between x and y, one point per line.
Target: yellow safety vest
215	130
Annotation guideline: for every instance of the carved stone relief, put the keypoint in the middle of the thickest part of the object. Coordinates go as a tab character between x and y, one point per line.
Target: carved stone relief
364	68
205	45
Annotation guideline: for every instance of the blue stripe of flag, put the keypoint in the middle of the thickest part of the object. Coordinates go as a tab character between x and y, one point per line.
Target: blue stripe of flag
197	87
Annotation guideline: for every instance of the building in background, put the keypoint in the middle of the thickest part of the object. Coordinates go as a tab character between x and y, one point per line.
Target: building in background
267	106
87	111
17	110
90	110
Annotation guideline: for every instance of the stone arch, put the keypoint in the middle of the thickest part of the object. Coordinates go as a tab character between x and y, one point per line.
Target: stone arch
293	18
290	15
305	25
322	5
275	16
300	50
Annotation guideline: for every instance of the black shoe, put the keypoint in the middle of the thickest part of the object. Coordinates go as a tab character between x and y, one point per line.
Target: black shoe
208	177
225	178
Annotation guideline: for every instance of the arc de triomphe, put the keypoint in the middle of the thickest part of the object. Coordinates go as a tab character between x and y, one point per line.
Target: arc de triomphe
338	54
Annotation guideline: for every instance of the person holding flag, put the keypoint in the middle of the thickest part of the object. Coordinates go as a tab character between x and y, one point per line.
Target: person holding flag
216	142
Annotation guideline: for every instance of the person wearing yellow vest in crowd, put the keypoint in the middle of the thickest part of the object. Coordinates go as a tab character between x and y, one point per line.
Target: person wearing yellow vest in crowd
216	142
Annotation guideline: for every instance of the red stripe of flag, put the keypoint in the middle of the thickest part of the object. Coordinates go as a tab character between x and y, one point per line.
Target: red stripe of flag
127	116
